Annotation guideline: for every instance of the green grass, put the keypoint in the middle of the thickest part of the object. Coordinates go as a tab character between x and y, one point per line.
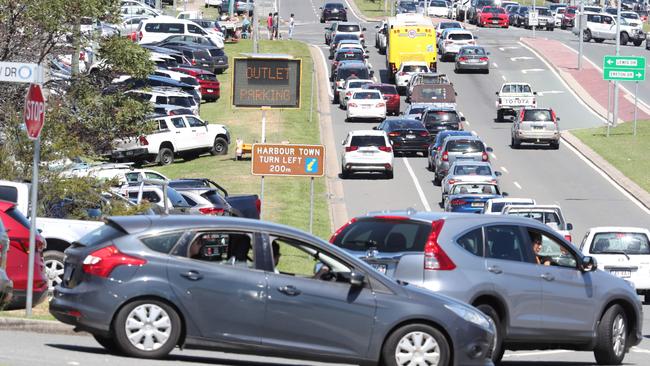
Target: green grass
646	27
374	8
39	312
626	152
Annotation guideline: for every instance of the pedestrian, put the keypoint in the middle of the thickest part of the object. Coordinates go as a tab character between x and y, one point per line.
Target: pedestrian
276	25
269	25
291	26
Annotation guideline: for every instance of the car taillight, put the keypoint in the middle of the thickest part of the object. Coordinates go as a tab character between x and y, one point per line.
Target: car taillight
401	73
462	58
143	140
568	237
434	257
41	244
386	148
458	202
393	134
485	156
140	35
452	181
484	59
193	61
212	211
258	205
351	148
333	237
445	156
102	262
424	133
348	94
353	105
380	104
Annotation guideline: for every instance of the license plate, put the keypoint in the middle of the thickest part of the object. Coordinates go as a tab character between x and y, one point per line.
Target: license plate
220	61
538	127
129	153
210	90
472	60
477	204
621	274
206	65
410	136
381	268
335	10
365	106
495	22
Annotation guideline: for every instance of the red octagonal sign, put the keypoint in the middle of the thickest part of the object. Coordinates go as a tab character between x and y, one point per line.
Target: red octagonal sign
34	114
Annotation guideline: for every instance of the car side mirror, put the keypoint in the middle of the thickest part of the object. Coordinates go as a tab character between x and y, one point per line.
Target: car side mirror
363	29
366	56
497	93
569	226
588	264
489	149
357	279
498	174
505	194
557	119
462	119
534	93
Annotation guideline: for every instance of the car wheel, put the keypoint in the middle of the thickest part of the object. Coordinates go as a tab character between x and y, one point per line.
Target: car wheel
322	20
165	156
499	116
599	40
624	38
416	344
550	29
108	343
53	268
612	337
389	174
515	143
497	348
638	43
147	329
646	299
220	146
436	180
345	174
586	35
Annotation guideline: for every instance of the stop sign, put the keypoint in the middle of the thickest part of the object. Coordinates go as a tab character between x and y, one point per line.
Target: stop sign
34	114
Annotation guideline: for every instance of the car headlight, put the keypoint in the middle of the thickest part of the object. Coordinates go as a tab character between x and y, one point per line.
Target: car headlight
472	316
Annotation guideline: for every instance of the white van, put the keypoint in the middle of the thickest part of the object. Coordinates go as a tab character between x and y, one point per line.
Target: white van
157	29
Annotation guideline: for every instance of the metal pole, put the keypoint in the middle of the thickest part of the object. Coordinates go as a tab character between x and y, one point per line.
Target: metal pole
580	44
636	97
311	206
262	184
618	50
311	103
32	229
609	104
534	3
255	29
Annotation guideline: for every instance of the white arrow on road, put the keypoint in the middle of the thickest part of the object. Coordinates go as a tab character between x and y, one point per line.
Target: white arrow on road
526	71
508	48
521	58
550	92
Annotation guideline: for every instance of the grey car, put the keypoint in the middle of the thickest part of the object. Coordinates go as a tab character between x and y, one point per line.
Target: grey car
6	285
205	201
472	58
144	285
537	126
493	263
469	148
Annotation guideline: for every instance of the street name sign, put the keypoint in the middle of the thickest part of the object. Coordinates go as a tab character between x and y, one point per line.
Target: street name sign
533	19
20	72
34	113
288	160
624	68
266	82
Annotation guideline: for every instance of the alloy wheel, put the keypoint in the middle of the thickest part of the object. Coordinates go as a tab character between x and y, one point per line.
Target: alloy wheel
618	335
54	272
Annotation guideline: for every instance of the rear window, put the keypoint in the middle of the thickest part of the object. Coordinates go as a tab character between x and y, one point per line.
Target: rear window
385	236
349	56
208	77
368	141
361	73
438	4
176	198
472	170
498	207
162	243
101	235
464	146
442	117
630	15
214	198
217	52
8	194
450	25
460	36
473	189
543	12
629	243
340	37
415	68
334	5
357	84
348	28
416	110
189	80
406	124
384	89
543	217
165	28
366	95
472	51
537	115
18	216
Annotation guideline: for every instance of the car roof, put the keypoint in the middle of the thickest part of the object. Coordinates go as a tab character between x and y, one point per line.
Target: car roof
465	218
464	137
622	229
472	162
347	23
534	208
348	81
367	133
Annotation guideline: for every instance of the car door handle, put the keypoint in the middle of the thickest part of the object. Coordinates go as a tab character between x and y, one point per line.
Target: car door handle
495	269
289	290
192	275
548	277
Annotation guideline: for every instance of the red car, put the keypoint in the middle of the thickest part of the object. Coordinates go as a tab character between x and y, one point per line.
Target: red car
569	17
210	86
492	16
17	227
391	96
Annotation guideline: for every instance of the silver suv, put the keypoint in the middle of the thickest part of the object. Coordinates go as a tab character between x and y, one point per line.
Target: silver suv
540	291
459	148
536	125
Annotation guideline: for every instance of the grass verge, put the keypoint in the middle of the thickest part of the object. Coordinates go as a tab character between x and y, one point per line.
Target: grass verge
39	312
372	9
626	152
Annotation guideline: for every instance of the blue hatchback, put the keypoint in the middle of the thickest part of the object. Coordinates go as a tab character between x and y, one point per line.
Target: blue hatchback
470	197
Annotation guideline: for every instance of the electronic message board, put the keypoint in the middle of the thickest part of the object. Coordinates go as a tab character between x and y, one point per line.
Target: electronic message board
266	82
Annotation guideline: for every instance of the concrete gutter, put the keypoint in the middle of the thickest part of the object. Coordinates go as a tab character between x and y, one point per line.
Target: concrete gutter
36	326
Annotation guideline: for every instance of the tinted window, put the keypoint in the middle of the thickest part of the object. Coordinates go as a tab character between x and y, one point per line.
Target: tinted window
415	68
472	51
146	195
366	95
450	25
18	216
361	73
162	243
543	217
438	3
384	89
464	146
189	201
406	124
176	199
385	236
217	52
442	117
348	28
472	242
165	28
189	80
543	12
416	110
340	37
178	122
460	36
368	141
180	101
472	170
571	11
505	242
334	5
537	115
224	248
348	55
214	197
8	194
356	84
629	243
102	235
194	122
473	189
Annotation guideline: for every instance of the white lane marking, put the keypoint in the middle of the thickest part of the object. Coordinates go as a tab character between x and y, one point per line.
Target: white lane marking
504	169
353	12
474	133
526	354
503	77
542	93
639	350
566	86
526	71
521	58
607	178
493	156
327	72
508	48
517	185
423	198
495	64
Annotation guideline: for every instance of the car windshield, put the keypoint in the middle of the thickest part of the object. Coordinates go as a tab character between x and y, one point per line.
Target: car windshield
438	4
368	141
361	73
408	6
348	28
366	95
541	216
516	88
628	243
416	110
442	117
473	189
385	236
450	25
339	37
472	51
494	10
460	36
465	146
630	15
472	170
415	68
406	124
357	84
537	115
541	11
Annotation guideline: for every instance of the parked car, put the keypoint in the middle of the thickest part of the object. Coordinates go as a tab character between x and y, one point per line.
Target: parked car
6	285
17	228
536	125
513	15
390	95
558	10
472	58
462	171
205	201
436	146
156	29
406	70
367	151
623	252
242	205
493	16
461	148
406	135
437	120
209	58
365	104
166	96
333	11
470	197
633	19
210	86
453	41
138	193
551	215
568	18
601	27
545	19
496	205
521	17
488	261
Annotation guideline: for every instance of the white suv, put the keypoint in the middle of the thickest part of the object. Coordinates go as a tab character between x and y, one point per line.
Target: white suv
602	26
367	151
406	70
350	86
454	40
161	97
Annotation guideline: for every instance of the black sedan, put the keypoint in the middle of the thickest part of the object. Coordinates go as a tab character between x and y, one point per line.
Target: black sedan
333	11
406	135
442	119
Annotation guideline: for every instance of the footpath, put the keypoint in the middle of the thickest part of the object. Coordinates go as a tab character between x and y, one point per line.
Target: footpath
589	85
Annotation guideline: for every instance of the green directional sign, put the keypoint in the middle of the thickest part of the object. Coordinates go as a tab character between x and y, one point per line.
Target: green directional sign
624	68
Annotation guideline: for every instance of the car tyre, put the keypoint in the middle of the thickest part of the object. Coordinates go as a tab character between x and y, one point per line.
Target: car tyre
599	40
498	349
499	116
345	174
555	145
646	298
515	143
389	174
219	147
586	35
638	43
153	313
612	337
108	343
165	156
322	20
53	268
406	336
436	180
625	38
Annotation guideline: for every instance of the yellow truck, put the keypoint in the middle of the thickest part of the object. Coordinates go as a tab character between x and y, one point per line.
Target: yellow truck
411	38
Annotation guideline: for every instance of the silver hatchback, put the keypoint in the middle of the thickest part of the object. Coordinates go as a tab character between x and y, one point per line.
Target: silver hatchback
541	292
537	126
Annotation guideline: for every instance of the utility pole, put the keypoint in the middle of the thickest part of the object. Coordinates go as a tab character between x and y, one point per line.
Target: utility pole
534	10
618	50
580	35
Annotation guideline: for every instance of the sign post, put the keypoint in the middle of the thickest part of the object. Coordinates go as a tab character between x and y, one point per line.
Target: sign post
34	117
623	68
